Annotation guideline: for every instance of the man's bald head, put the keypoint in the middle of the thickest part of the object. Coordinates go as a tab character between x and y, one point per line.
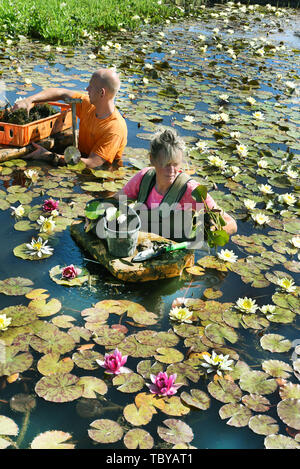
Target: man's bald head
107	78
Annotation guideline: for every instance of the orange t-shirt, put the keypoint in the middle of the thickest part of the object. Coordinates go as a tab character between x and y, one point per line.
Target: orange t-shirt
105	137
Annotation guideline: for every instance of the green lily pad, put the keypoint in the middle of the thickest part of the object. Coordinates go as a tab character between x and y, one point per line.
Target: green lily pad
53	439
86	359
168	355
263	425
52	340
290	390
138	438
197	398
174	406
280	442
43	308
20	315
238	414
277	368
50	364
105	431
138	416
175	432
60	387
217	333
8	427
64	321
15	286
145	368
22	252
107	336
129	382
256	402
275	343
289	412
257	382
92	386
14	362
225	391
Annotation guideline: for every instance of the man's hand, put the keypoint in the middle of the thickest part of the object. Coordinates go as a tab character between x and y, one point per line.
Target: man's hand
40	153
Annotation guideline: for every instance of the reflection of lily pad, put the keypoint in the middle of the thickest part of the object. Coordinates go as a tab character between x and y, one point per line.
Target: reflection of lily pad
138	438
289	412
60	387
22	402
176	432
53	439
105	431
55	275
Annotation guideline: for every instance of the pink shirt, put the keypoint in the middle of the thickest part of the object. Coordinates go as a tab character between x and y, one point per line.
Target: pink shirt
131	189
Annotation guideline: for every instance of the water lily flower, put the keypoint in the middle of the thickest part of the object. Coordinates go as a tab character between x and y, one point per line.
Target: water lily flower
31	174
262	164
163	385
291	174
223	97
189	118
227	255
290	84
49	205
201	145
246	305
258	115
235	135
113	363
117	46
215	160
91	56
201	37
4	322
203	48
249	204
260	218
110	213
295	241
265	309
216	363
47	48
251	100
148	66
47	225
242	150
38	247
18	211
269	205
131	96
136	17
70	271
287	198
181	314
105	48
266	189
145	81
216	30
286	284
260	52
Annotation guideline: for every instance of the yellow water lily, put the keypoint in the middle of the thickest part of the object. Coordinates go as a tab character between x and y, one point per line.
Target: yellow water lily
47	225
286	284
246	305
181	314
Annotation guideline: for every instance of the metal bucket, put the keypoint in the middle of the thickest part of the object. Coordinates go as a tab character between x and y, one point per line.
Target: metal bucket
123	243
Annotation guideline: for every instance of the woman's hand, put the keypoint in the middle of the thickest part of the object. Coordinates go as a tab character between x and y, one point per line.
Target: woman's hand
39	152
25	103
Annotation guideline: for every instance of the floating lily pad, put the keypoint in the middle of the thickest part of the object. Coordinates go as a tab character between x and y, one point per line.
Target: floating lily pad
55	275
289	412
50	364
263	425
14	362
86	359
275	343
197	398
43	308
175	431
60	387
105	431
64	321
277	368
138	438
218	333
290	390
138	416
238	414
225	391
145	368
92	386
22	252
257	382
280	442
174	406
128	382
8	427
52	340
53	439
15	286
256	402
168	355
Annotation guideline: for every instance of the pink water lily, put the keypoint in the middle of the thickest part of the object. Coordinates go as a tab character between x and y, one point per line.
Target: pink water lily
49	205
113	363
163	385
70	271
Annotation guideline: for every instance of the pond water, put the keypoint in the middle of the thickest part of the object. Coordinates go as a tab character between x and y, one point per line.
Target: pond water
255	54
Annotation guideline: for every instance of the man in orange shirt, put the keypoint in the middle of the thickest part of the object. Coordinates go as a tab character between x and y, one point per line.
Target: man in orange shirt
102	130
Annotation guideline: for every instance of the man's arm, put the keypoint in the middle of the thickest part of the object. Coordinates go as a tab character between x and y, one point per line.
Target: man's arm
93	161
49	94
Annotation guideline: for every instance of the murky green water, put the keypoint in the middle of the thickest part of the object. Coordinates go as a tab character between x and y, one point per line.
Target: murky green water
186	82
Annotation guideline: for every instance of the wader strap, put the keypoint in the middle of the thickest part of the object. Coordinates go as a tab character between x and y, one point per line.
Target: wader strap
146	185
177	189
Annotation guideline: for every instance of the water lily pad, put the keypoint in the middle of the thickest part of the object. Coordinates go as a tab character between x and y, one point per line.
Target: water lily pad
168	355
138	438
175	431
50	339
224	391
277	368
43	308
8	427
289	412
211	262
86	359
128	382
53	439
105	431
60	387
138	415
256	402
263	425
217	333
174	406
290	390
107	336
20	315
280	442
275	343
257	382
50	364
15	286
92	386
197	398
14	362
55	275
238	414
145	368
64	321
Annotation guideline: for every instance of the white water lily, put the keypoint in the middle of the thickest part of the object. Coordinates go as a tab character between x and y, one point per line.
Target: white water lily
131	96
215	160
258	115
295	241
249	204
251	100
227	255
47	48
148	66
201	37
4	322
145	81
290	84
260	218
189	118
105	48
54	213
31	174
262	164
288	199
235	135
181	314
223	97
260	52
203	48
18	211
117	46
242	149
291	173
235	169
216	363
38	247
222	117
269	205
266	189
91	56
265	309
47	225
246	305
110	213
201	145
286	284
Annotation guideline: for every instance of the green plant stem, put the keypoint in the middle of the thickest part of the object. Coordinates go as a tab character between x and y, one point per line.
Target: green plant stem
23	429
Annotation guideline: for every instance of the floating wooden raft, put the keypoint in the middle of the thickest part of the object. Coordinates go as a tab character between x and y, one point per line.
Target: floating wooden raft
166	266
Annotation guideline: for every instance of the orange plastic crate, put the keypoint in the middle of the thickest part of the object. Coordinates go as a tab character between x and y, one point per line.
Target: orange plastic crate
22	135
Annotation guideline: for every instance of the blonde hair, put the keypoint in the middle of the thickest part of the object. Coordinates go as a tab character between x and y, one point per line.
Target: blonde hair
166	146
